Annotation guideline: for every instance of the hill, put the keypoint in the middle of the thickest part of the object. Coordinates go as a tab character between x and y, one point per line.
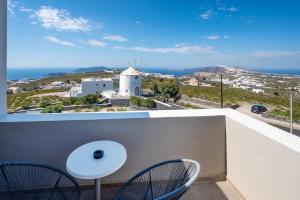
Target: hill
91	69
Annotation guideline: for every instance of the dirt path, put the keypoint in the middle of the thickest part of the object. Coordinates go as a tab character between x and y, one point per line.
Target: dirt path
60	94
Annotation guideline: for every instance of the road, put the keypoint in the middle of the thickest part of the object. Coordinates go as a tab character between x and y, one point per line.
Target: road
246	110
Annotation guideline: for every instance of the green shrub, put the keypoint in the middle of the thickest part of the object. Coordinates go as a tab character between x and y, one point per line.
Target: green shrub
67	102
78	110
142	102
53	109
90	99
26	105
95	108
44	103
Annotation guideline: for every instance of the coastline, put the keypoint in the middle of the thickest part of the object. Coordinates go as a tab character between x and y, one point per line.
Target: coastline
39	73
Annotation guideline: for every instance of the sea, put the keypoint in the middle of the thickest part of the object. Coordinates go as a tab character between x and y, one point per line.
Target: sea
38	73
34	73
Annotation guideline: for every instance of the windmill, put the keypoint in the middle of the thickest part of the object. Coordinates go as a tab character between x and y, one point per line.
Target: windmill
138	65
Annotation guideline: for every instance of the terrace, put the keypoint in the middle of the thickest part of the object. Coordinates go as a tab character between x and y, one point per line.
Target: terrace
240	157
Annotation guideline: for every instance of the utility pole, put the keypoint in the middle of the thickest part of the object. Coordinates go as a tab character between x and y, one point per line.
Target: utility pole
222	91
291	112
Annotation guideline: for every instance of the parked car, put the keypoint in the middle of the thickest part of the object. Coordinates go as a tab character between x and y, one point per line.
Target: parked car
258	109
235	106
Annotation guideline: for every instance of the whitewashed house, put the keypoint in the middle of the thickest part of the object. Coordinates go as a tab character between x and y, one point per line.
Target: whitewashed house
258	91
15	90
93	86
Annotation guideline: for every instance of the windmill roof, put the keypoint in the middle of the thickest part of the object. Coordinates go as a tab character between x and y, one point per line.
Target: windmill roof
131	72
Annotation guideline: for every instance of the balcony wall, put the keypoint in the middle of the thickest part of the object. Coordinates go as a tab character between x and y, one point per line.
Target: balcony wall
261	161
148	140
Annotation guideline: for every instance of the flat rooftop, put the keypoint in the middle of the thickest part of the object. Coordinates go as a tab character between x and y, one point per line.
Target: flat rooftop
96	79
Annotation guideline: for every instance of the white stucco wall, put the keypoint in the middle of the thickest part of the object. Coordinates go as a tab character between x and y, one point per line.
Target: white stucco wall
96	86
263	162
149	137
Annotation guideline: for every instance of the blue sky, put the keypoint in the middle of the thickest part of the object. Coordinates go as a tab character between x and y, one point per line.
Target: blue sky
161	33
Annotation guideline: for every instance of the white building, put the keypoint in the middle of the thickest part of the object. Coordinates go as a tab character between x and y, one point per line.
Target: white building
130	83
258	91
192	82
158	75
15	90
58	83
92	86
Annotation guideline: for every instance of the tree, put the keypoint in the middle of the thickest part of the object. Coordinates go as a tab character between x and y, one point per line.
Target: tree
155	88
169	90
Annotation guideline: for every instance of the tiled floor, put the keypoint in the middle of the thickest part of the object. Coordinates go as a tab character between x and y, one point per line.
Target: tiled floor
199	191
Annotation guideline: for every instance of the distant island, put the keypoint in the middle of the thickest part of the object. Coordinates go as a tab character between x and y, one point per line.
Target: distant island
175	71
92	69
55	74
38	73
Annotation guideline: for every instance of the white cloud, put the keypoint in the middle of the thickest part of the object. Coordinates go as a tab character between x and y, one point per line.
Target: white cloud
212	37
207	14
11	5
175	49
272	54
182	44
24	9
96	43
227	37
117	38
58	41
232	9
60	20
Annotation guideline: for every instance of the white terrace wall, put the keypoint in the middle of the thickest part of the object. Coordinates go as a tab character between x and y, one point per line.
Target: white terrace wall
147	140
263	162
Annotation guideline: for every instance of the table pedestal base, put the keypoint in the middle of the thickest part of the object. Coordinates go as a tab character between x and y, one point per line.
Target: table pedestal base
97	189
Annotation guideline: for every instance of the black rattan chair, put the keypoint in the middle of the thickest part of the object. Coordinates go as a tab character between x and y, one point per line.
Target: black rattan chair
24	181
168	180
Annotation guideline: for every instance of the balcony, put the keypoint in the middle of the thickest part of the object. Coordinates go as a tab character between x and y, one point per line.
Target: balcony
240	157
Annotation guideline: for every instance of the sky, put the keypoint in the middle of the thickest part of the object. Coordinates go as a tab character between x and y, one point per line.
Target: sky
156	33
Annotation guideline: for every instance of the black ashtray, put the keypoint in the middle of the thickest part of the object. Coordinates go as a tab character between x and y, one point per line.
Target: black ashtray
98	154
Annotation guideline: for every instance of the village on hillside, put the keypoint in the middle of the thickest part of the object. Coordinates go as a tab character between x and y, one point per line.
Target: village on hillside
131	89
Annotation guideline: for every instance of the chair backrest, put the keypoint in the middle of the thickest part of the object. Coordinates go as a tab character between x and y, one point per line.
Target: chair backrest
164	181
20	180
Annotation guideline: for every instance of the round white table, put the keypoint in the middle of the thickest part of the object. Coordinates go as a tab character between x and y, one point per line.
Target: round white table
82	164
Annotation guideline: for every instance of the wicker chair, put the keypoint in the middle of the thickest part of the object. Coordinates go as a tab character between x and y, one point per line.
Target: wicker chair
24	181
168	180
